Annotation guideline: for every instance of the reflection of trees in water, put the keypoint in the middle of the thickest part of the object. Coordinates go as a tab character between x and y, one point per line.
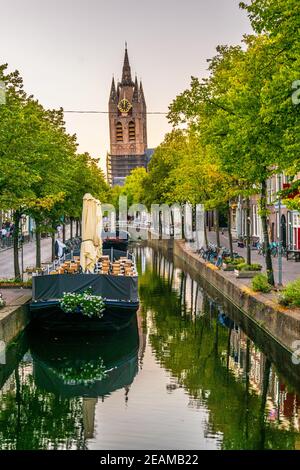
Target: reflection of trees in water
192	349
33	419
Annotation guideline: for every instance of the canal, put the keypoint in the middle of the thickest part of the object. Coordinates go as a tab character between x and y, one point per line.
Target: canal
191	373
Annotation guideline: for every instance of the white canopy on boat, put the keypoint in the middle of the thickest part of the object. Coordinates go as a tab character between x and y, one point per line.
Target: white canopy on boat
91	246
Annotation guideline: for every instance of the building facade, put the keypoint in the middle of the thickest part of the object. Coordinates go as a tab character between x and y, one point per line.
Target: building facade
283	224
127	127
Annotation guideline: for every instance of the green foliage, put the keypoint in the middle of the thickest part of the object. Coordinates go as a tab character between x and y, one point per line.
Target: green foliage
42	175
260	283
15	282
234	261
85	303
249	267
134	186
243	112
290	295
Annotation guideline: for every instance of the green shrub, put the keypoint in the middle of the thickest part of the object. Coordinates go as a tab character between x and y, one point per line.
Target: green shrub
234	261
260	283
248	267
291	294
15	282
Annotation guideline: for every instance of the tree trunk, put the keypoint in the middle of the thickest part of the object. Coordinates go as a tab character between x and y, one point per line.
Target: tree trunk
248	229
77	228
17	217
229	231
38	245
263	205
217	227
71	227
209	213
53	246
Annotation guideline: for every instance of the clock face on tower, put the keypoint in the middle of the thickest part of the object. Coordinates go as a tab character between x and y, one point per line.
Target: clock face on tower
124	106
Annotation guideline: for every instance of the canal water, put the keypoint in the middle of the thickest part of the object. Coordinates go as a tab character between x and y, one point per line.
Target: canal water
186	375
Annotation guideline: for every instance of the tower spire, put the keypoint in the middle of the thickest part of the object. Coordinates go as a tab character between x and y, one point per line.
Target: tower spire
113	93
142	96
135	96
126	73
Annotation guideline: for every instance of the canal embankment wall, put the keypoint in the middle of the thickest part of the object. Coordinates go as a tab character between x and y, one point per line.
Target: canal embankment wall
14	317
280	323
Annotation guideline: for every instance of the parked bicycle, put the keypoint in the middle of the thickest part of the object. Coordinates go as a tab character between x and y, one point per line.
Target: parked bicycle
274	248
216	255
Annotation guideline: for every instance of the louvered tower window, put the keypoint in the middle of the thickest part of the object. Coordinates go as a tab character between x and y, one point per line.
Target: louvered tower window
131	128
119	132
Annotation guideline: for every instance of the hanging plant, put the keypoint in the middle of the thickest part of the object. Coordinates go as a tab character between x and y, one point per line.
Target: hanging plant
85	303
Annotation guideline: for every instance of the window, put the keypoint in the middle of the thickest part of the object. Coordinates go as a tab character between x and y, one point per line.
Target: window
119	132
131	129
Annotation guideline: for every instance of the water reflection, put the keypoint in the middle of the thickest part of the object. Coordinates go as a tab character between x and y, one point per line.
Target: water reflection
213	359
49	399
85	366
187	377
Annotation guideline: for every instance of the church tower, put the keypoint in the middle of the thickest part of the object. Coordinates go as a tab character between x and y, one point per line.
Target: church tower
127	127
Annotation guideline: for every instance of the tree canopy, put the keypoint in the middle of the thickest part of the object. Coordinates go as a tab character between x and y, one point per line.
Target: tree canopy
42	174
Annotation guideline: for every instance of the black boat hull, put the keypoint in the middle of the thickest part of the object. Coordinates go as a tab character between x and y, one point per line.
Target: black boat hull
49	316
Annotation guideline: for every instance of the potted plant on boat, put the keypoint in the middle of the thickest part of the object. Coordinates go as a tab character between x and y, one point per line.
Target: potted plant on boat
244	270
229	264
85	303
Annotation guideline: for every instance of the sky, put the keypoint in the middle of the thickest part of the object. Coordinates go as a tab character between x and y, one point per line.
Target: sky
68	50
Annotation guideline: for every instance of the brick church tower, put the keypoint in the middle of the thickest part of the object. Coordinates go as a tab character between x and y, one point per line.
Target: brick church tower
127	126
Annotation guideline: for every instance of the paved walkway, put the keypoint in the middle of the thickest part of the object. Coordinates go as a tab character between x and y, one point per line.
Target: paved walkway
29	257
15	297
290	269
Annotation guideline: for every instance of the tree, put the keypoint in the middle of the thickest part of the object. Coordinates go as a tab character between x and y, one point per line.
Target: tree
233	112
134	186
16	144
42	175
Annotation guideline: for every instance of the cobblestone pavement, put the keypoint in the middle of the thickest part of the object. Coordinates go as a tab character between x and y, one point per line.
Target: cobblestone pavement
290	269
